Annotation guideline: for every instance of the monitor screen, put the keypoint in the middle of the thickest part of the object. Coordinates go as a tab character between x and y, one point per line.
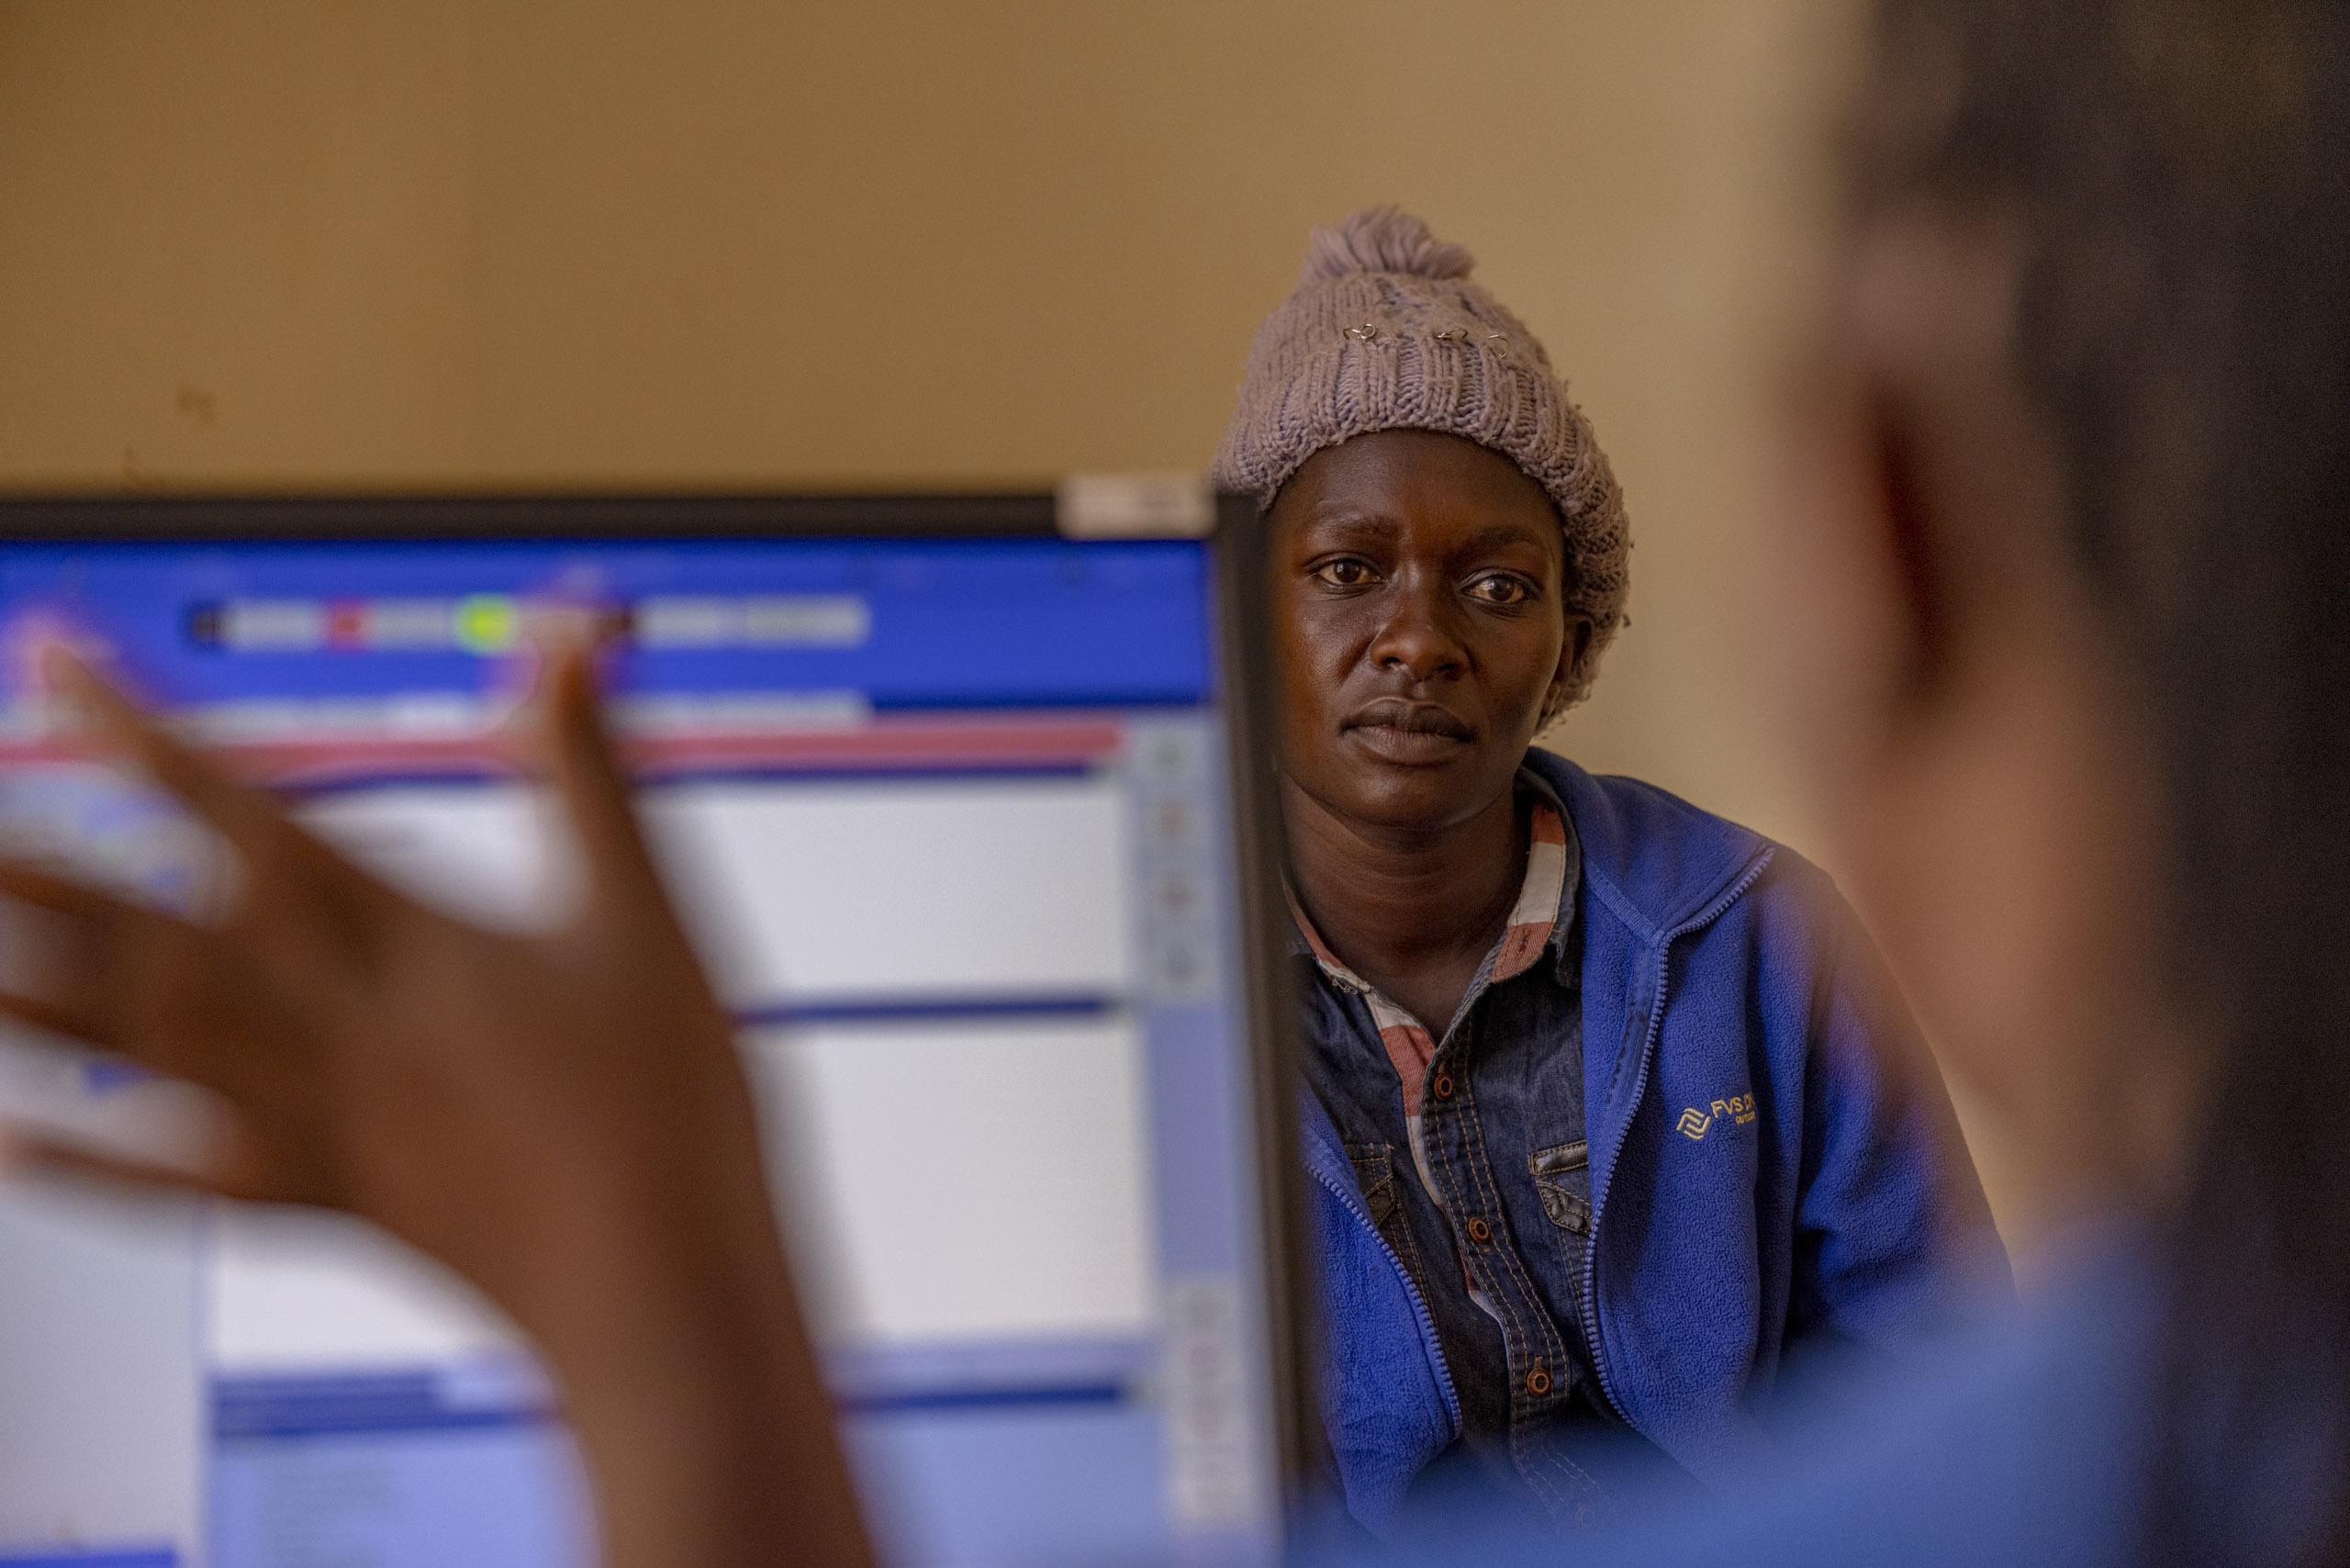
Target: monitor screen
948	817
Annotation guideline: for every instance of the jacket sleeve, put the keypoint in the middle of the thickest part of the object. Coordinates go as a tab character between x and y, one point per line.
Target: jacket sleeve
1893	1239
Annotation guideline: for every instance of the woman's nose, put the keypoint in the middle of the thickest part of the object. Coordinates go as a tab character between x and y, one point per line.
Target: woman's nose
1417	639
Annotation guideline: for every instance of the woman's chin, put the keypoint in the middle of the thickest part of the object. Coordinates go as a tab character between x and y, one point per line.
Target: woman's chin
1417	801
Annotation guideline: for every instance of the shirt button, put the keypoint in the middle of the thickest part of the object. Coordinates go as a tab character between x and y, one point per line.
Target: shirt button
1537	1382
1479	1232
1443	1086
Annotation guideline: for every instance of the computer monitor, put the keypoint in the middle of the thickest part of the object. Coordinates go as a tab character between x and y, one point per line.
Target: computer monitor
966	814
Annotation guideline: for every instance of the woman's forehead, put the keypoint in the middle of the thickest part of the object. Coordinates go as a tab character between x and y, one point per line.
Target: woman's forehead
1423	482
1450	529
1416	460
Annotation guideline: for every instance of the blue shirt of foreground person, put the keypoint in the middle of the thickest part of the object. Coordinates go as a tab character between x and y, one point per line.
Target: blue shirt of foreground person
1611	1114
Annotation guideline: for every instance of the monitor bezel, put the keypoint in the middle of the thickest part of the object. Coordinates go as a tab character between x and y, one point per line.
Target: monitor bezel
112	518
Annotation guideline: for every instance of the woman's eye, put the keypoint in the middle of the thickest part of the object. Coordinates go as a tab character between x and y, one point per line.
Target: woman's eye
1499	589
1344	574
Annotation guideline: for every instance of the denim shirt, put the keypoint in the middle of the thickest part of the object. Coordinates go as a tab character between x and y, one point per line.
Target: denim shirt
1496	1249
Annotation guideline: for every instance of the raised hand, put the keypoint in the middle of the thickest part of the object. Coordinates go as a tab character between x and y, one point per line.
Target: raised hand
560	1116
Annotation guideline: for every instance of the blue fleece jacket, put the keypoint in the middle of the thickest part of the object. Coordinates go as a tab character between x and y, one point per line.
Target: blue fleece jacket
1717	966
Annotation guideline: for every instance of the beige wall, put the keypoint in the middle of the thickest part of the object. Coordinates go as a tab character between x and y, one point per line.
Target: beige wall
423	243
426	242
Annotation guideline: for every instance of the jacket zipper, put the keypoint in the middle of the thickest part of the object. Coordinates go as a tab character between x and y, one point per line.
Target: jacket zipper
1419	1307
1592	1335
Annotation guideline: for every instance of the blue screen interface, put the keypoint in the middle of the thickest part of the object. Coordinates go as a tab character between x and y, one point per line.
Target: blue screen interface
948	819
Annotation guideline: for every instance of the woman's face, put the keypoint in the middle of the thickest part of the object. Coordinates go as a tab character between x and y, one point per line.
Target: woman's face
1416	582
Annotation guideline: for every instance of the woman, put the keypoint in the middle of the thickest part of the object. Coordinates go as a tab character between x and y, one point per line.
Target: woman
1611	1114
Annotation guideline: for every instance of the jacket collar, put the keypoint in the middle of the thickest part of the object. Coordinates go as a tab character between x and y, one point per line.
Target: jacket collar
1656	861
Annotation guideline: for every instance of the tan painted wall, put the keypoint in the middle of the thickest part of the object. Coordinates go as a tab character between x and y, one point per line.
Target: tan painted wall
421	243
426	242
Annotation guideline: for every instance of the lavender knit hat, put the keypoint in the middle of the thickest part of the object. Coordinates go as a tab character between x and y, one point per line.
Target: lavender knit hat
1385	331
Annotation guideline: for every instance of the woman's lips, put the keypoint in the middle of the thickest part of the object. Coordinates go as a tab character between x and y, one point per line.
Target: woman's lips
1410	732
1398	745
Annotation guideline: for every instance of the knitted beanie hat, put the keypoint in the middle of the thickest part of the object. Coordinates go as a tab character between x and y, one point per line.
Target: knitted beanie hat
1387	331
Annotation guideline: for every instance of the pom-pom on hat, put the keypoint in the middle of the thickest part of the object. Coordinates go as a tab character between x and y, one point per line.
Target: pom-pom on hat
1387	331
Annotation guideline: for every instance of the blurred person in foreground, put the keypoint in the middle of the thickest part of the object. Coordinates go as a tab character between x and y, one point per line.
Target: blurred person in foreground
2061	630
1613	1125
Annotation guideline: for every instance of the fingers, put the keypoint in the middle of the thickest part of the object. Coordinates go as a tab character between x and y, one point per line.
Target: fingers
589	778
28	1151
244	816
51	1018
57	973
47	889
136	982
288	875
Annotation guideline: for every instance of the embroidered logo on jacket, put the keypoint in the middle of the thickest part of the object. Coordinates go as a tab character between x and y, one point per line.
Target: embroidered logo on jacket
1695	1124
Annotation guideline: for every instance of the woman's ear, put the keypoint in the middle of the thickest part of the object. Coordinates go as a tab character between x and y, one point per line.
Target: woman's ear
1954	694
1914	553
1927	502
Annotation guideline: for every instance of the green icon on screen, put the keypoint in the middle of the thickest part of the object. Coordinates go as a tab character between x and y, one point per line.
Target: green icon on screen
487	624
